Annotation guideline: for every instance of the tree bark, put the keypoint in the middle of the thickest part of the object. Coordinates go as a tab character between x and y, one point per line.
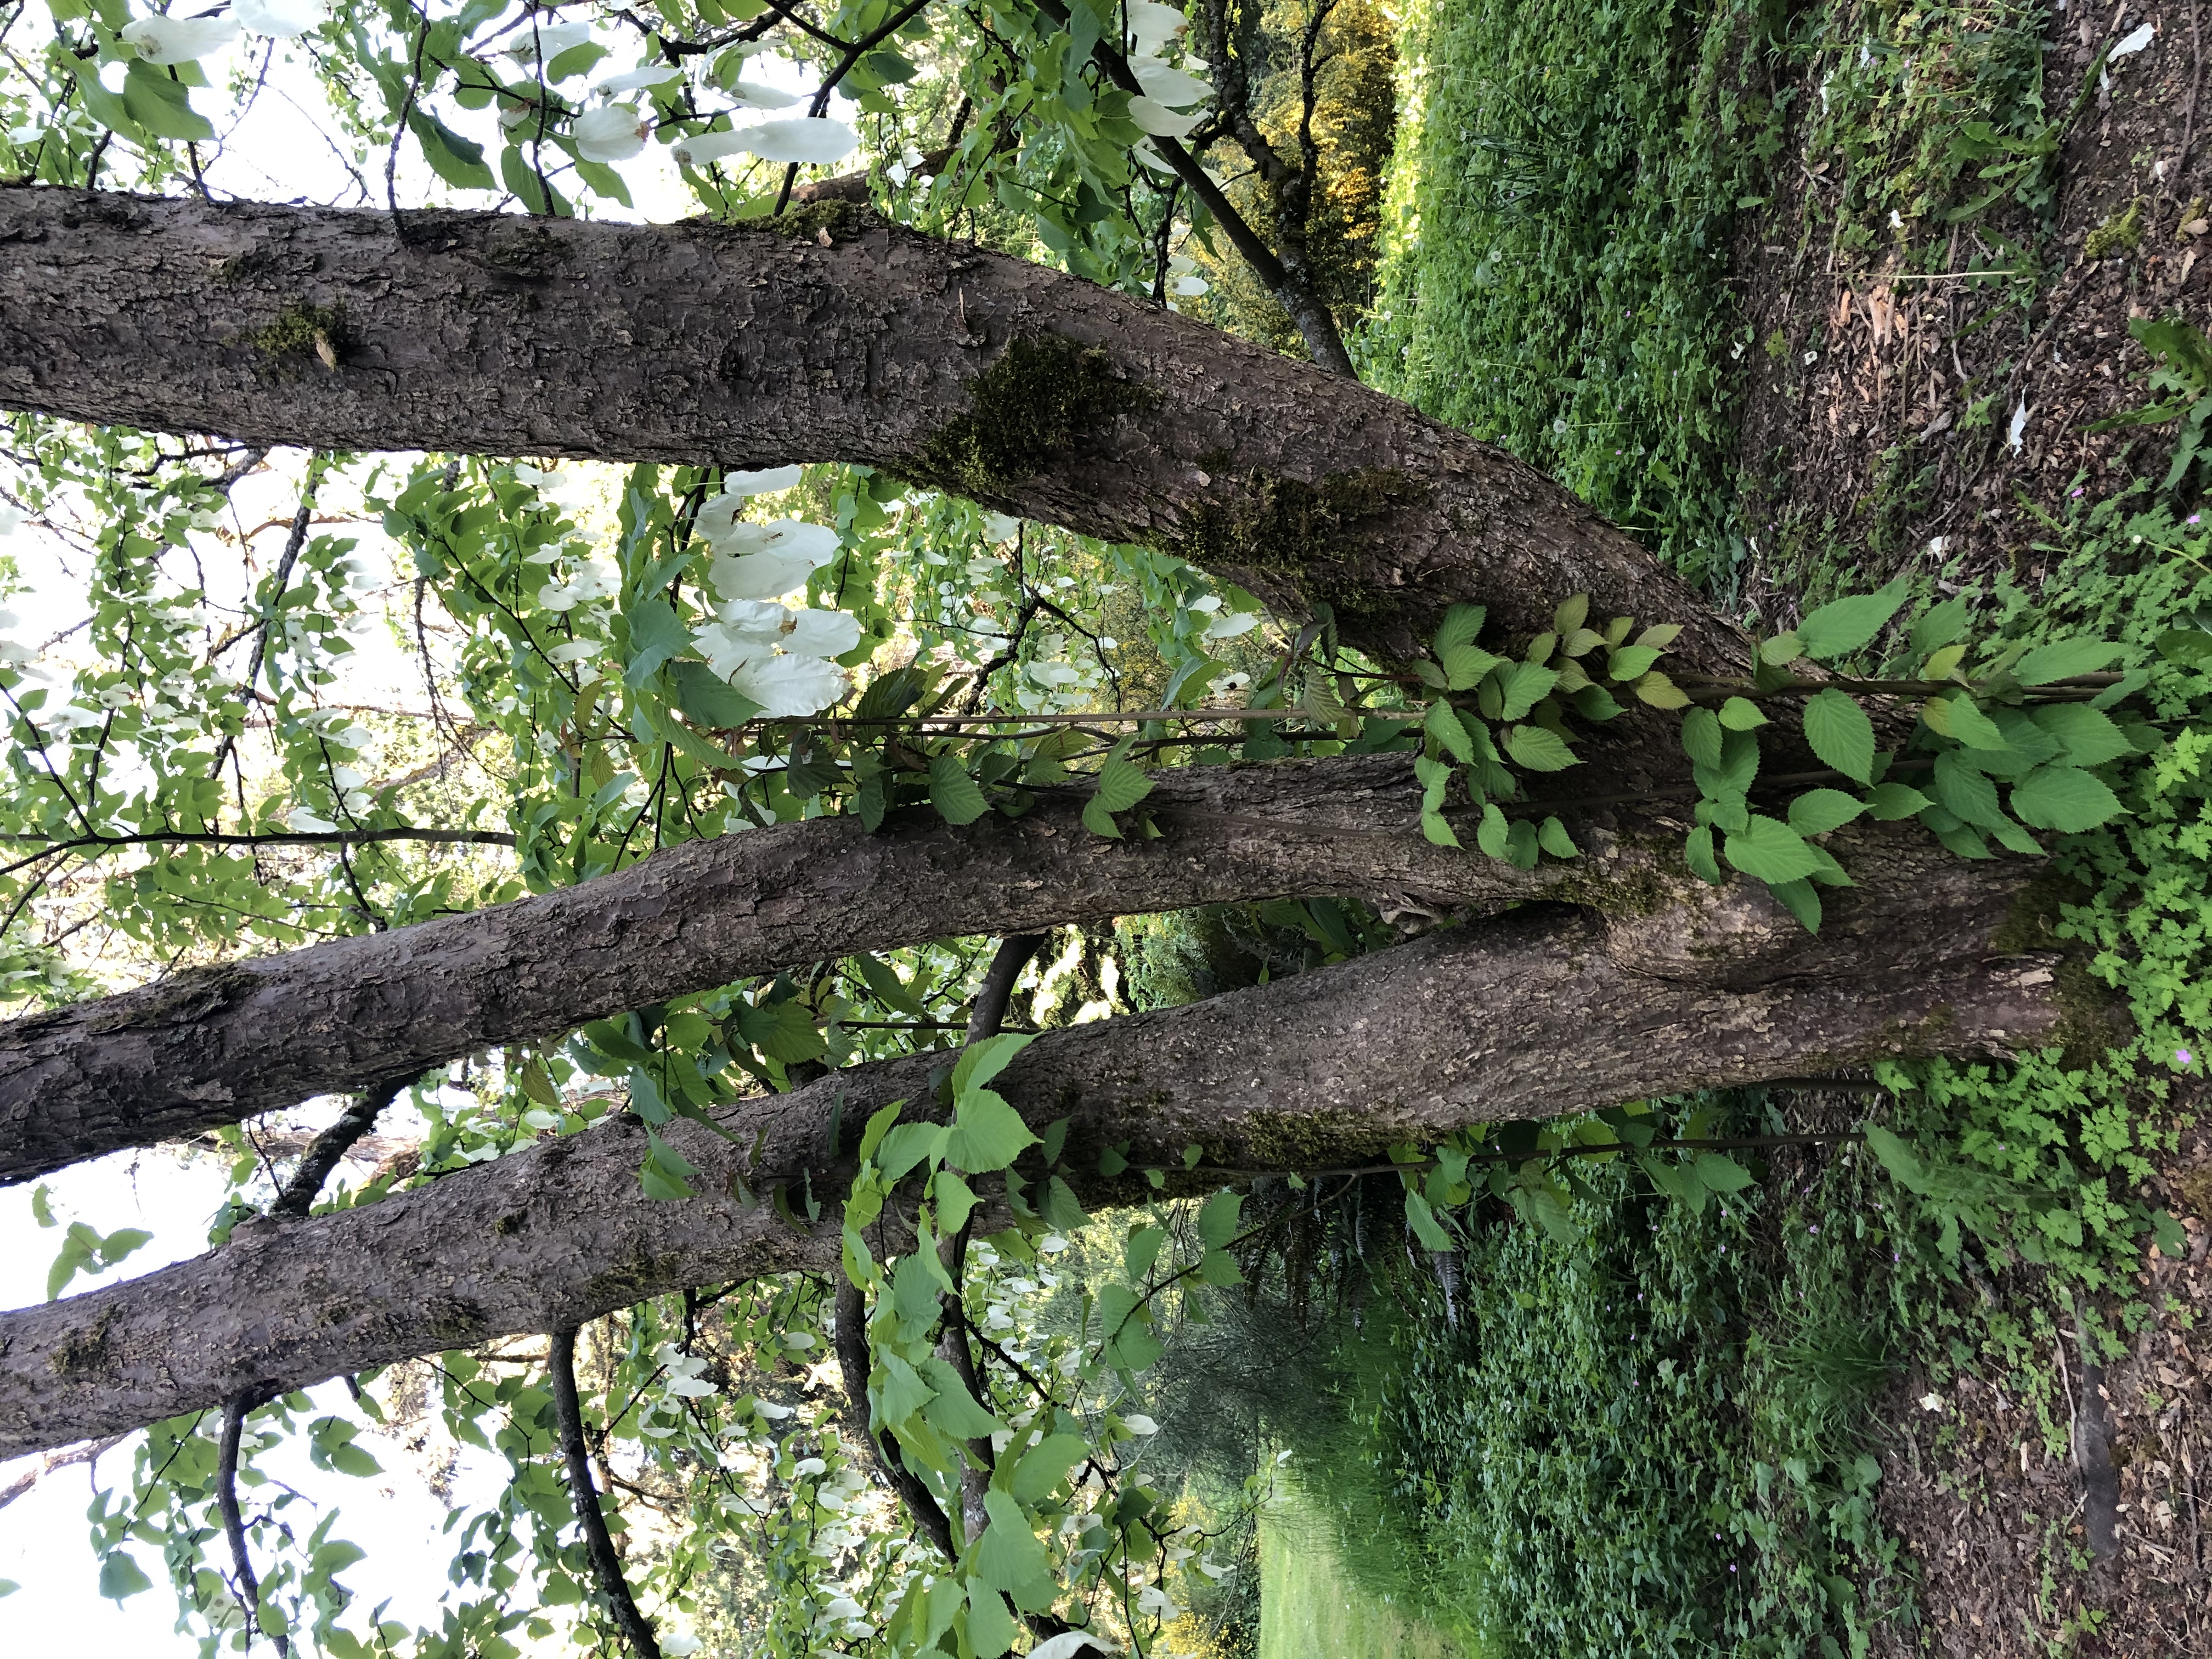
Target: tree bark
1027	389
1525	1016
209	1046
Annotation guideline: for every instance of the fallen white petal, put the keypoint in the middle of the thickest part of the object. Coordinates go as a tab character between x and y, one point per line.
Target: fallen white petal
2135	43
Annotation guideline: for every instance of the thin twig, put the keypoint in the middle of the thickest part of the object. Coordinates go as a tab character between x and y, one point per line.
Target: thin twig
325	1151
606	1565
248	1586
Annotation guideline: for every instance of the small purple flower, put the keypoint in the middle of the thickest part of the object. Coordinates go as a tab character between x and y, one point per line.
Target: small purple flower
2181	1056
1816	1227
2194	517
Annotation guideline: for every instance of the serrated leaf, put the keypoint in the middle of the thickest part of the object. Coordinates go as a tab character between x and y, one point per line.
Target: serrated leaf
1800	900
2062	659
2185	648
1937	626
1701	738
986	1133
1780	651
1523	686
1846	625
1423	1220
1698	854
1770	851
1581	642
1891	801
1461	626
1490	835
1463	664
1819	811
1120	785
1443	726
2063	798
1721	1174
956	1200
1551	835
1046	1464
1008	1556
1630	662
1840	732
161	106
2087	736
956	796
1741	714
1571	614
459	161
1656	689
1436	829
1538	750
1964	790
1958	717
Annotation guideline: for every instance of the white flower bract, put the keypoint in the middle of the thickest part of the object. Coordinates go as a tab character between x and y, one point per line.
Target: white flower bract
178	40
614	133
280	20
1157	119
815	140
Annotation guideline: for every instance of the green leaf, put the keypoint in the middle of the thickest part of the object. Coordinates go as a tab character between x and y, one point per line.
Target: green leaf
42	1206
1436	828
1891	801
1959	717
1521	844
1900	1160
1780	651
119	1575
1965	791
954	1411
1800	900
2165	1232
1008	1556
1491	833
2063	658
1840	733
1741	714
1216	1221
710	701
986	1133
2185	648
1464	665
1061	1208
1836	629
1423	1220
1551	835
2063	798
903	1394
1770	851
2088	735
655	635
120	1243
1720	1174
1524	686
1218	1267
459	161
956	1200
955	795
353	1460
1142	1249
1461	625
1046	1464
666	1174
1538	750
1701	738
1120	786
160	105
980	1062
1442	724
1630	662
1698	854
1819	811
1937	627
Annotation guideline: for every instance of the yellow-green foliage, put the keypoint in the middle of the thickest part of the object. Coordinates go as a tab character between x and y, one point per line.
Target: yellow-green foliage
1355	124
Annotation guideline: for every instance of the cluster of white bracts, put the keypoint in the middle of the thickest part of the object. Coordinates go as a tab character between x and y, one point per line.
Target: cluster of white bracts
775	654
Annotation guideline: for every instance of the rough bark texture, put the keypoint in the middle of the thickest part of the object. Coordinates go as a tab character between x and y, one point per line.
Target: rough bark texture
209	1047
1025	388
1525	1016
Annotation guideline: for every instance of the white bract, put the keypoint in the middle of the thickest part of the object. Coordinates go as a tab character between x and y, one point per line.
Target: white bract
1164	84
762	481
646	75
754	96
1189	288
178	40
1151	27
767	560
1138	1424
701	149
547	41
280	20
308	822
612	134
2135	42
1157	119
1229	626
814	140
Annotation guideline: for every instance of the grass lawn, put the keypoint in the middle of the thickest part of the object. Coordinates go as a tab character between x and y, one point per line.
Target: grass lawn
1309	1604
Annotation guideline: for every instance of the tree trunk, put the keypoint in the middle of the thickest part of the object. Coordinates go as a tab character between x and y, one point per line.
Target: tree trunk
209	1046
831	337
1525	1016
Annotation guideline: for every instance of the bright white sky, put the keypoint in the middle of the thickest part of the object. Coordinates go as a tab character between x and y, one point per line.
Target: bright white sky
277	153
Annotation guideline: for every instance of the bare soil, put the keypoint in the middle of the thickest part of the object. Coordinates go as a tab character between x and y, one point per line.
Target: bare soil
1856	435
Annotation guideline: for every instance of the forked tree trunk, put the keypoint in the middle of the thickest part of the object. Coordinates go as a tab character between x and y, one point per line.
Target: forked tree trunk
1525	1016
848	339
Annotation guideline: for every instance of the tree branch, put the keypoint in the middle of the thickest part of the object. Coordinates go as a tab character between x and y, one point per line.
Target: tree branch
1527	1016
246	1585
698	343
606	1565
324	1151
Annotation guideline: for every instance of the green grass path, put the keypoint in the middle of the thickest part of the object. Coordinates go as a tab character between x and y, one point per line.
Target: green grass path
1309	1606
